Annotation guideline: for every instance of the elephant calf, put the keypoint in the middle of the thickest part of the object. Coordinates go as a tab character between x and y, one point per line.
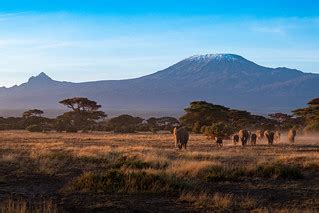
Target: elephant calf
253	139
235	139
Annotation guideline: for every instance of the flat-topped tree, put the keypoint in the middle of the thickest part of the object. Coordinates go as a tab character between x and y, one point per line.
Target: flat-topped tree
80	104
280	117
201	113
84	113
32	113
310	115
34	121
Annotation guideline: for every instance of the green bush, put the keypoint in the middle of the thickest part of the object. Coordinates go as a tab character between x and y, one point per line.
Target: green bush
35	128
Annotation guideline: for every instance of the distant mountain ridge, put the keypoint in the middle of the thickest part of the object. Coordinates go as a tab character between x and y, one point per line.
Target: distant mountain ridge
225	79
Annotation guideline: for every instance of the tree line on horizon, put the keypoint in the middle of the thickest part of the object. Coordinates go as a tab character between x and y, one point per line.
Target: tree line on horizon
200	117
84	115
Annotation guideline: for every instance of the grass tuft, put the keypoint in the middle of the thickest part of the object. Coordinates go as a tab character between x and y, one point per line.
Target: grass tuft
204	200
278	171
10	205
216	174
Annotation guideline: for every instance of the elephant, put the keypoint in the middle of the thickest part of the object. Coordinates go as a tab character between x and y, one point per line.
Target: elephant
219	141
270	137
235	139
244	136
291	135
181	137
253	139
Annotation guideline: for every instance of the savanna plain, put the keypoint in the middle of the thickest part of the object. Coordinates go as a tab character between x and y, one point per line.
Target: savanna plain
100	171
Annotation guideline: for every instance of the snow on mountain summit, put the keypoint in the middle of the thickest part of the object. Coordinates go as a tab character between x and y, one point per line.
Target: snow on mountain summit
215	57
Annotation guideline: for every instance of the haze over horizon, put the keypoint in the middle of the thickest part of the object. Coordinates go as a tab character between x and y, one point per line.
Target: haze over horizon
79	41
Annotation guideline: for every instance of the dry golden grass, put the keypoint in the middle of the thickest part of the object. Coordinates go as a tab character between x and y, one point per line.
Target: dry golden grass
198	171
10	205
217	200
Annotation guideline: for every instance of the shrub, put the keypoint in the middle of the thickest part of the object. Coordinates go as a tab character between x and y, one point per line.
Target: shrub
203	129
35	128
71	129
196	127
124	129
208	131
132	163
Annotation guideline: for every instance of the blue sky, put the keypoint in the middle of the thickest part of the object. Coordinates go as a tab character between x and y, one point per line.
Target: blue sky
95	39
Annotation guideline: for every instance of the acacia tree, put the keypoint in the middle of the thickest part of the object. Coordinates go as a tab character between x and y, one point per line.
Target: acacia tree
34	118
32	113
310	115
125	123
201	113
285	121
84	113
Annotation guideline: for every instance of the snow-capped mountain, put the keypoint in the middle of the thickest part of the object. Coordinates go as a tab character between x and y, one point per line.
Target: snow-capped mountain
225	79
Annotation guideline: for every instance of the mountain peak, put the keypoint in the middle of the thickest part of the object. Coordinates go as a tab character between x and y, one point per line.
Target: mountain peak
216	57
42	77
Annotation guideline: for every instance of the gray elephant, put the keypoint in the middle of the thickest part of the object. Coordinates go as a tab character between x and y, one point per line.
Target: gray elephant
244	136
270	137
181	137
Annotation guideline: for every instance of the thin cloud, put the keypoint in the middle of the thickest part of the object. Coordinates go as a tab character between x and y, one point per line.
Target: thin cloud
13	14
270	30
